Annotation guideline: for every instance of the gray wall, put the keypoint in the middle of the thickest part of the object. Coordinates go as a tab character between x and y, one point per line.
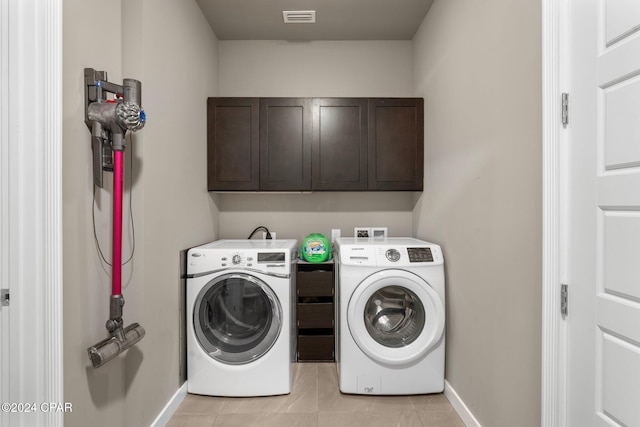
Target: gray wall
478	66
315	68
293	216
169	47
307	69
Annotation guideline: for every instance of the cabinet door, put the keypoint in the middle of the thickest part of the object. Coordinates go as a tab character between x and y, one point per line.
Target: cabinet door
396	143
339	144
232	144
285	144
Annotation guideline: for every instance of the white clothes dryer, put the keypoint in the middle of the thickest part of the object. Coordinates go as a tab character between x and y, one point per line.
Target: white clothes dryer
240	309
391	316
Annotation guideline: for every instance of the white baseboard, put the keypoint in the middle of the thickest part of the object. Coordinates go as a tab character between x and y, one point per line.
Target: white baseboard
170	408
463	412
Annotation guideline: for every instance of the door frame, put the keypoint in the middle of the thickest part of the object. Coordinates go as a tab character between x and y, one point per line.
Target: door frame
31	211
554	138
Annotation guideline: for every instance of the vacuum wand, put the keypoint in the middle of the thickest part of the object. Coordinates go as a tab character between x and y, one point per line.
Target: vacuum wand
121	338
108	122
116	269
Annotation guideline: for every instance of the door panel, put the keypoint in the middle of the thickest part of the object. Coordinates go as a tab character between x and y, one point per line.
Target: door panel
285	144
340	144
620	380
396	144
603	223
621	253
232	144
621	19
621	106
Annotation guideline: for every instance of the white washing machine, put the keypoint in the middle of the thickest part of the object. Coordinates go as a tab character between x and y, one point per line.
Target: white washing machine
391	317
240	308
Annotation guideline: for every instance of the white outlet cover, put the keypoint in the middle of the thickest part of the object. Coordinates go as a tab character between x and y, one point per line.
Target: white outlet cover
362	233
379	233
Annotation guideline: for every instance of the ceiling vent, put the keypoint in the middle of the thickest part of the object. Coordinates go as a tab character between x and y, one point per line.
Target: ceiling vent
299	16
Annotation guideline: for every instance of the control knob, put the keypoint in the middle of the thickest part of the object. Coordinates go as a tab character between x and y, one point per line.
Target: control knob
392	255
236	259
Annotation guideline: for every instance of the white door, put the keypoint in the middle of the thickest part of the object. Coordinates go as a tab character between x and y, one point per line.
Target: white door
603	214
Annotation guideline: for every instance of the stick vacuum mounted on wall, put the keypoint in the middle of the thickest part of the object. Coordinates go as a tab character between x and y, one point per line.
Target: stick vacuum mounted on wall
108	121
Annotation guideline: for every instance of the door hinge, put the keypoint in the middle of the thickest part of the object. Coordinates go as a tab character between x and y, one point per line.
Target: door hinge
564	300
4	297
565	109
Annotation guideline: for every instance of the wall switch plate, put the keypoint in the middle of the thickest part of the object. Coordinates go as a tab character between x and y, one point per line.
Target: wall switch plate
335	233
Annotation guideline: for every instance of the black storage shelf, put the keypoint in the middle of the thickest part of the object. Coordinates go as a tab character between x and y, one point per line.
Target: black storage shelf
315	312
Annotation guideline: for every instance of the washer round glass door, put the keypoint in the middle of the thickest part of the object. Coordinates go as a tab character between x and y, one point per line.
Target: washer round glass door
395	317
237	318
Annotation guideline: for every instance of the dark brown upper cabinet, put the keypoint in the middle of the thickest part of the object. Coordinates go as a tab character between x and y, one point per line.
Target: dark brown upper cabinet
285	144
339	157
396	144
232	144
319	144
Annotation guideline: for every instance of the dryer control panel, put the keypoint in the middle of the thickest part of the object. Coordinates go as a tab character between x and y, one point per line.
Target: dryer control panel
263	261
274	256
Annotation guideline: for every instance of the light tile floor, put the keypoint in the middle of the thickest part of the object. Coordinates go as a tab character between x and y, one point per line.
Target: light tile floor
315	401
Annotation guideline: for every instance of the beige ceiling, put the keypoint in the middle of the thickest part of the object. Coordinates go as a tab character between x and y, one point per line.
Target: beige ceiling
335	19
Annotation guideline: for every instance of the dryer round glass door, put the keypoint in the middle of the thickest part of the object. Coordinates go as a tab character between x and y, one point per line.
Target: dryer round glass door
395	317
237	318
